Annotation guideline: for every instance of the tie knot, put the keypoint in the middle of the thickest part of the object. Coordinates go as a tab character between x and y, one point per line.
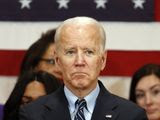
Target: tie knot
81	103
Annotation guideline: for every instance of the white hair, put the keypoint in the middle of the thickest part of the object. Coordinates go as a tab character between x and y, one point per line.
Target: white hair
82	21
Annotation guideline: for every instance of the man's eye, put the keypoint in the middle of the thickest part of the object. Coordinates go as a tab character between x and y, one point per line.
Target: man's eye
89	52
70	52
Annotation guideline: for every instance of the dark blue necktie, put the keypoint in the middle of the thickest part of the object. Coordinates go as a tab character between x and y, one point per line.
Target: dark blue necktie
80	114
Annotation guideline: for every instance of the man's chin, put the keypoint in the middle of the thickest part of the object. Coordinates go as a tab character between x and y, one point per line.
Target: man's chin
80	85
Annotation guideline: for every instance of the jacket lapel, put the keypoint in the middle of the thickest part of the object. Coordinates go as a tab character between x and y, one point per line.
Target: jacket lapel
56	108
106	105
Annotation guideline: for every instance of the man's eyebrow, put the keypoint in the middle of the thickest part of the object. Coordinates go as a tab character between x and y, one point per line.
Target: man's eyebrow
70	48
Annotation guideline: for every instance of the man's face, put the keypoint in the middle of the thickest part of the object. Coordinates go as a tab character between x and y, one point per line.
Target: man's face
79	56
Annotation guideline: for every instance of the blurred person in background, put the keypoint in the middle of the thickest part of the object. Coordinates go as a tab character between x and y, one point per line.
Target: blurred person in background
145	90
31	85
40	56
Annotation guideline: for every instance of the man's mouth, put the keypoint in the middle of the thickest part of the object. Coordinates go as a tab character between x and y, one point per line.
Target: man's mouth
79	75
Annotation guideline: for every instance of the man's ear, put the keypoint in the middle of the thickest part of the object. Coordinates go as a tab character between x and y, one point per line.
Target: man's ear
56	58
104	59
57	62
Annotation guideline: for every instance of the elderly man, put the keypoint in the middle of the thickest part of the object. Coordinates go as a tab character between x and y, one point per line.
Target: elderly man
80	54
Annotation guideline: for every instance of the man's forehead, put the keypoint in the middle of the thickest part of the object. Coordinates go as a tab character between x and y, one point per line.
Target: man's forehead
79	42
78	46
80	35
78	28
81	46
74	35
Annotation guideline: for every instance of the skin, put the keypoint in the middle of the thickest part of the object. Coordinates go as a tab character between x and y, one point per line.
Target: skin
148	96
50	68
33	91
80	57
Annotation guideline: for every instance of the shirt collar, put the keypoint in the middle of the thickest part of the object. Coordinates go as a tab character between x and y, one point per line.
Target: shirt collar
90	99
71	98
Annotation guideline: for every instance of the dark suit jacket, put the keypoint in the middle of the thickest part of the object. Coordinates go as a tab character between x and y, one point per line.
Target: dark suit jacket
55	107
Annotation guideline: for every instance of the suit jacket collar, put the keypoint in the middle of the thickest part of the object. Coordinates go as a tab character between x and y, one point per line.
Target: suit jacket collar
106	105
57	105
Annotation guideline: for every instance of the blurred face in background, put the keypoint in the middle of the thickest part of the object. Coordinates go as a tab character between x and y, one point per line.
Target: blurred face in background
47	63
33	91
148	96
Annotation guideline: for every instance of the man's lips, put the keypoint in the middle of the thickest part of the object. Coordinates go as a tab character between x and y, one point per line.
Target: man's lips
79	74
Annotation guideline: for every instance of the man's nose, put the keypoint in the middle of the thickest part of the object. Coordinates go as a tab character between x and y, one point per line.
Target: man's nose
79	59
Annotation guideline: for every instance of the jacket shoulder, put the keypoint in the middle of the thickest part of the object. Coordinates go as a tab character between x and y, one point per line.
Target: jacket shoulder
128	109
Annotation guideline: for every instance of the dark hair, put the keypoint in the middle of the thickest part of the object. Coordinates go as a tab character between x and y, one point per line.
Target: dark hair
36	51
145	70
11	108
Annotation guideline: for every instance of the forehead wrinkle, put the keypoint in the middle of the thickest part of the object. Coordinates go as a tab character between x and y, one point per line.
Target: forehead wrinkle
91	29
76	32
